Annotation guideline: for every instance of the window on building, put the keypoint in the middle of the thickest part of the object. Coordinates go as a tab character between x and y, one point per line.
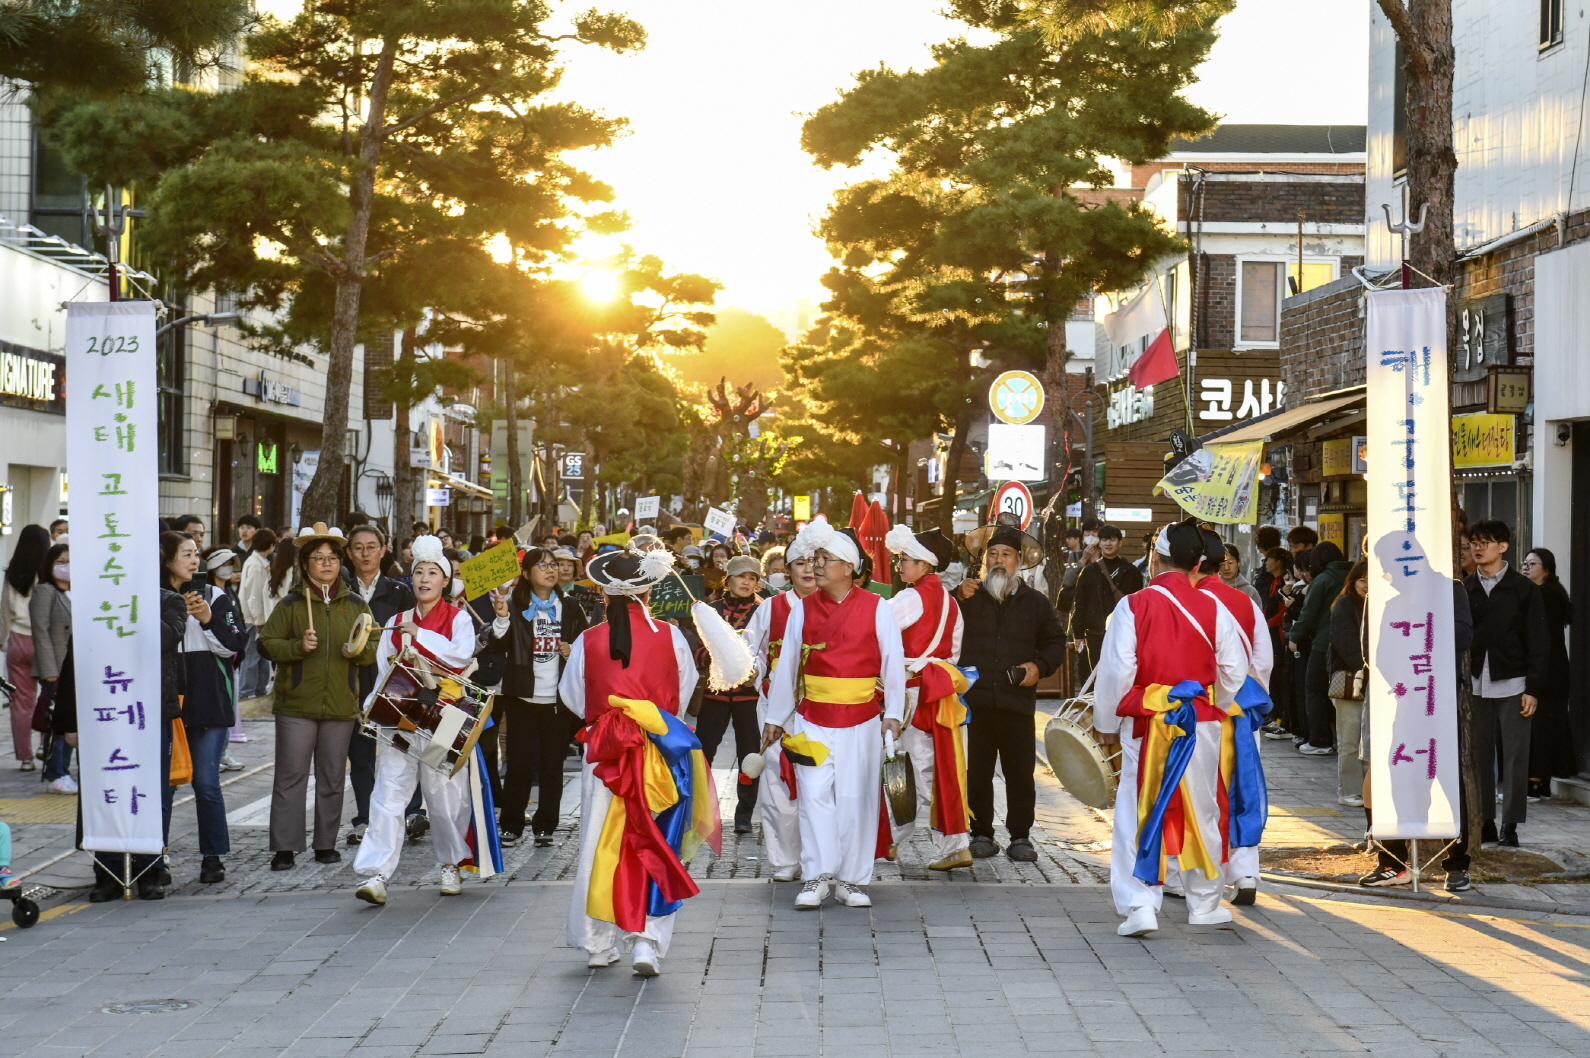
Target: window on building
1550	23
170	377
60	198
1399	114
1313	275
1259	295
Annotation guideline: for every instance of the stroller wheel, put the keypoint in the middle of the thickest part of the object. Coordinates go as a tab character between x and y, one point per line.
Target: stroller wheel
26	913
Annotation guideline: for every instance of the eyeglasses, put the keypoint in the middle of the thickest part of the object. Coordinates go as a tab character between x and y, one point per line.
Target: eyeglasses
546	565
323	558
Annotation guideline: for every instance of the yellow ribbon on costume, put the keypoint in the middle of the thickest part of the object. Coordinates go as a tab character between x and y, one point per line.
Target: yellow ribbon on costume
798	745
952	715
1151	775
841	690
661	793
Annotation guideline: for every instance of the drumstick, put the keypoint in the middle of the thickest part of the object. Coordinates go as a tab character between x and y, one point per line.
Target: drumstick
309	605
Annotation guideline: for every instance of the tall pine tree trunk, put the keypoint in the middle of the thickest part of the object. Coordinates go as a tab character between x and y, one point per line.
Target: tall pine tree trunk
320	501
952	469
510	396
403	439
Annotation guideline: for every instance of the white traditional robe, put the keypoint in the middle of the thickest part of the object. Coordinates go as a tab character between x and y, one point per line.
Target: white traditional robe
447	798
781	826
583	931
837	801
1117	672
1244	862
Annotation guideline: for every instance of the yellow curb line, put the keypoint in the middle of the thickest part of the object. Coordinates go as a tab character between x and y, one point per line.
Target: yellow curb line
54	912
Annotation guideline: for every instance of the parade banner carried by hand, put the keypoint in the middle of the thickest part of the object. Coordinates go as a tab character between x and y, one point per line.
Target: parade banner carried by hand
492	567
1412	690
112	440
1217	483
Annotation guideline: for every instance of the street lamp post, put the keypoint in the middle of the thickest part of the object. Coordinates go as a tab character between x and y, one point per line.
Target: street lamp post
1089	499
206	318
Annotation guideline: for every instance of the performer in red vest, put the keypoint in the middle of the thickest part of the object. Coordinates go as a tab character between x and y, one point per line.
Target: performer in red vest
1171	653
781	833
930	628
643	669
444	635
840	645
1242	863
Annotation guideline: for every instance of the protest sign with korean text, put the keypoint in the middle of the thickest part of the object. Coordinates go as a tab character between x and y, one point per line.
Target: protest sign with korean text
1412	693
492	567
112	443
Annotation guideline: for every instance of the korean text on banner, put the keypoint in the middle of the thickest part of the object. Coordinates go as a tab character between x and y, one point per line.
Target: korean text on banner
1412	654
720	522
111	450
647	508
1217	483
492	567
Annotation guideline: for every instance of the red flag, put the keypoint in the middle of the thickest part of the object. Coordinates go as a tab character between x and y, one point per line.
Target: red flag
874	527
858	512
1157	364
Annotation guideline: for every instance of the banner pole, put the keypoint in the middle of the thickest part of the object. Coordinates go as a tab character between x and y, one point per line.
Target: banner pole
1413	854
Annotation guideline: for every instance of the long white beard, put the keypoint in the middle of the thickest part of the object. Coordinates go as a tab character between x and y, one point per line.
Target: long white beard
999	583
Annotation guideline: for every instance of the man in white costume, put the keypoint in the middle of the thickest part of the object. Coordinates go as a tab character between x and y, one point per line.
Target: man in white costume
1167	638
632	656
930	628
764	634
840	644
444	638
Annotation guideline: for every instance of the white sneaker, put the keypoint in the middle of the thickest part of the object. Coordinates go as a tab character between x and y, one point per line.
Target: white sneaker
63	785
787	874
231	764
373	891
602	958
1350	801
1209	918
813	892
644	959
452	880
853	895
1140	921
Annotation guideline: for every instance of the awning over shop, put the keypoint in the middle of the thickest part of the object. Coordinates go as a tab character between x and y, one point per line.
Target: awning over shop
1284	419
439	481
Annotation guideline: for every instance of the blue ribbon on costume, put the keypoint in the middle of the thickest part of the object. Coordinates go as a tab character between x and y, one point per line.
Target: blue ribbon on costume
1150	833
676	748
972	675
1249	800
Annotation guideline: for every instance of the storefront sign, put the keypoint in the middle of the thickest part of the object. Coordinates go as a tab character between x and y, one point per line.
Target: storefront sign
1218	397
1336	456
1483	440
1216	483
1122	515
1412	691
438	497
1128	405
1016	397
111	451
573	467
1333	527
32	379
270	391
1484	336
801	509
265	457
1509	392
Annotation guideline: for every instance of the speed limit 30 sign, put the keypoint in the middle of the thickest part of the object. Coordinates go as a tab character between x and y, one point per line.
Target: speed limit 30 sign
1013	498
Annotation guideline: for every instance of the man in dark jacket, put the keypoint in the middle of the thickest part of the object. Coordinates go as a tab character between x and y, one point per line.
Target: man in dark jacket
1509	662
1102	583
386	598
1013	639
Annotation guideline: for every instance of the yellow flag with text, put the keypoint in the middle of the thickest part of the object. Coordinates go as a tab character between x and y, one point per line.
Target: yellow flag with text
1217	483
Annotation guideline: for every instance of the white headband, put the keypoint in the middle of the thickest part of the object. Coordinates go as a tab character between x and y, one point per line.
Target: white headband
429	549
820	536
903	541
1162	541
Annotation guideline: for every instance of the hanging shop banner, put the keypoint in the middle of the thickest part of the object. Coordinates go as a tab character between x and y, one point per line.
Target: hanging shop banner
1217	483
111	457
1483	440
801	509
1412	690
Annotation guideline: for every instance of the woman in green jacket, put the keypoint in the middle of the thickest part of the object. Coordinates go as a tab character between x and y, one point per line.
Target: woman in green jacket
1313	626
317	695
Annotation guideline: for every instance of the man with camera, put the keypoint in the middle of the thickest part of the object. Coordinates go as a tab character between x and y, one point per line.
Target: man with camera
1013	638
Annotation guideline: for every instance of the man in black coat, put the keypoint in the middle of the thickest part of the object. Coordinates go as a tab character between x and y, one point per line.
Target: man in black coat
1013	639
1509	662
386	598
1105	579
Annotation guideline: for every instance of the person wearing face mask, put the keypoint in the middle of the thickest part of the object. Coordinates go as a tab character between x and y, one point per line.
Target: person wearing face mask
775	569
444	635
221	567
50	609
736	705
1105	580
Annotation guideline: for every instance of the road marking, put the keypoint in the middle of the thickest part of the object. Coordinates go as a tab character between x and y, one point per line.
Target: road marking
54	912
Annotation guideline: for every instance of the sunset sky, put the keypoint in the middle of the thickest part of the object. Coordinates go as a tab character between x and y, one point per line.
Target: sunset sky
712	172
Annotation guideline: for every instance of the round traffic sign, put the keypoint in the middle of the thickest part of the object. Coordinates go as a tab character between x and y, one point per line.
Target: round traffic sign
1016	397
1014	498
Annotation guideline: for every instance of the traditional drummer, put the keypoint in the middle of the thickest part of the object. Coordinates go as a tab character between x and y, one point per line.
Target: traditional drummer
930	627
1171	653
444	637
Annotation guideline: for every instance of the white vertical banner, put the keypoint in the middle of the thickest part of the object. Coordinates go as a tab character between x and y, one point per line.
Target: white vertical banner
112	443
1413	739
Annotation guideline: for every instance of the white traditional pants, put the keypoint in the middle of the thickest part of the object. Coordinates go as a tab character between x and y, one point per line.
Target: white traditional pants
583	931
447	804
838	801
781	825
1244	862
1202	778
918	745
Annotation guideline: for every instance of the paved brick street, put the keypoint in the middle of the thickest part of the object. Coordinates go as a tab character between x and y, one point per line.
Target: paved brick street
1003	959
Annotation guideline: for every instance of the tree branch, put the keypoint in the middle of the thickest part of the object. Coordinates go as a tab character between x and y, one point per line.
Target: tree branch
1408	34
435	108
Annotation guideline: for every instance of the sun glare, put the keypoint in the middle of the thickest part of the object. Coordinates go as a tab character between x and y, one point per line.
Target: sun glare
599	285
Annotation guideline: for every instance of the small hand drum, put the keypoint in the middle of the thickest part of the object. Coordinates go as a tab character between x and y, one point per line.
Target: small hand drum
437	717
1088	770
